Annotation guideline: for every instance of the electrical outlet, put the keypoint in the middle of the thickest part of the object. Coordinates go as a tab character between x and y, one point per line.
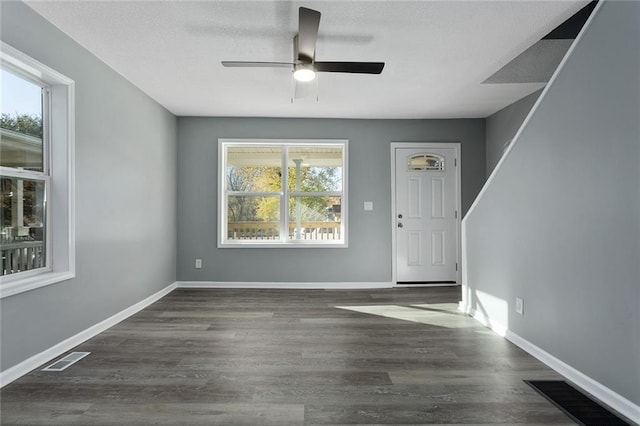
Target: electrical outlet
368	205
198	263
519	306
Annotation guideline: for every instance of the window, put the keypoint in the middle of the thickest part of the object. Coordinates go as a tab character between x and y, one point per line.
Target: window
25	178
282	193
36	150
426	162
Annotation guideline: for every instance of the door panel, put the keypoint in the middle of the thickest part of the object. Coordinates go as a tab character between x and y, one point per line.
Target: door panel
414	199
438	251
426	222
437	198
414	241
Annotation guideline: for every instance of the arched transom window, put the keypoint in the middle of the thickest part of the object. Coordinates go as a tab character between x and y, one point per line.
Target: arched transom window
426	161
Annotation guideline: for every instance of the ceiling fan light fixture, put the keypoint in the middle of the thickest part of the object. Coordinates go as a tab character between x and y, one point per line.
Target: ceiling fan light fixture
304	73
304	65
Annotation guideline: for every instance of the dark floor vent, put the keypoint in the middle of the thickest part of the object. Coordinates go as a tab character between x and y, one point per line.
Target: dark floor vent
579	407
66	362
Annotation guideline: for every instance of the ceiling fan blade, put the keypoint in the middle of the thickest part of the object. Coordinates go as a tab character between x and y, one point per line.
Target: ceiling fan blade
308	23
350	67
244	64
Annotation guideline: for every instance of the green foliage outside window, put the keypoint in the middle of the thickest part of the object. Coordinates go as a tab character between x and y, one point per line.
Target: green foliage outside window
269	179
23	123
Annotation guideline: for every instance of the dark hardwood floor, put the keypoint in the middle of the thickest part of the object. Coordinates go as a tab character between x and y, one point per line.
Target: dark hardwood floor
280	357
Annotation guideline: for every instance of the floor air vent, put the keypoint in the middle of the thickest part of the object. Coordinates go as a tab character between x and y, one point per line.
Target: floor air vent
578	406
66	362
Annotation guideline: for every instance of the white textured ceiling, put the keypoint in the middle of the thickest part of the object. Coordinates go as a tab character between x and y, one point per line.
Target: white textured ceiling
437	53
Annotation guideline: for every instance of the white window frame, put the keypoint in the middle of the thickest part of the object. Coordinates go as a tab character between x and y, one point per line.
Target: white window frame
58	175
284	241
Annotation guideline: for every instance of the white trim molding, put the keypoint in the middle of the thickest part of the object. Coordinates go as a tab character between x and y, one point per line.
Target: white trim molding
9	375
287	285
596	389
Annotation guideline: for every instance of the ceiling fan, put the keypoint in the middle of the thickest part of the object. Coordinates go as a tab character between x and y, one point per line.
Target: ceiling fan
304	65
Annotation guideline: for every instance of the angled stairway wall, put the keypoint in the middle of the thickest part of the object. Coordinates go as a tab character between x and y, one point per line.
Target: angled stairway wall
558	222
502	126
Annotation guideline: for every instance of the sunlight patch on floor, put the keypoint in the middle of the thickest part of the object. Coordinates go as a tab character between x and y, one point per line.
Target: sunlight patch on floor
440	315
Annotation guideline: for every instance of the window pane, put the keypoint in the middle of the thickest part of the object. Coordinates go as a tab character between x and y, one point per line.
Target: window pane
315	169
254	169
23	224
20	123
426	162
253	218
314	218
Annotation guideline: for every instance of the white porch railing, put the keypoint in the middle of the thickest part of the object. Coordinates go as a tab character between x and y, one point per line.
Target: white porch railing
19	256
271	230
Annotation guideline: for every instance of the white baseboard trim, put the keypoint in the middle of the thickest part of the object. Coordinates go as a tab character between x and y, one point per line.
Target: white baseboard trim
596	389
10	374
286	285
427	285
496	327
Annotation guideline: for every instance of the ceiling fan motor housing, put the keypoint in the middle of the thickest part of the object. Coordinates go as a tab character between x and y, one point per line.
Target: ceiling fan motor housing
304	71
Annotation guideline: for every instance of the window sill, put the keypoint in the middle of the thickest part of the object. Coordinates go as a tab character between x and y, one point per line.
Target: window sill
298	245
21	285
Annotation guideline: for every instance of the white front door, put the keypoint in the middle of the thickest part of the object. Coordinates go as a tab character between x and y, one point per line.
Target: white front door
426	217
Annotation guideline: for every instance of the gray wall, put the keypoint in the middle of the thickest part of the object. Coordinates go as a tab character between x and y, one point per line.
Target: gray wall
503	125
125	196
368	257
558	224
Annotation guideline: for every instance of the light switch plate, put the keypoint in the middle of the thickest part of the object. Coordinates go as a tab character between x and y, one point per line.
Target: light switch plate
368	205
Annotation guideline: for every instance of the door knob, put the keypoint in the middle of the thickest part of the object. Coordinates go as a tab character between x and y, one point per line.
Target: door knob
400	225
399	216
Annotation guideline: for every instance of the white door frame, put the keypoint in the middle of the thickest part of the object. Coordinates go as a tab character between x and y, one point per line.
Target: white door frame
458	199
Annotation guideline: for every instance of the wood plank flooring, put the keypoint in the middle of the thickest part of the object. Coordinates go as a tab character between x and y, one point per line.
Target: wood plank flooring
281	357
